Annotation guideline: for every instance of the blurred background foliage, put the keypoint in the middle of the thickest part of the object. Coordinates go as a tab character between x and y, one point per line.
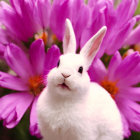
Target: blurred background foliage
21	131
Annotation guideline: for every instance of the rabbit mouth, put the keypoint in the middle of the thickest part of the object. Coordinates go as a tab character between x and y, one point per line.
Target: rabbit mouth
64	86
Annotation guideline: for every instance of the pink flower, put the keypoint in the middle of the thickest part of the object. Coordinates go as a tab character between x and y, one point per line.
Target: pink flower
28	83
41	18
119	22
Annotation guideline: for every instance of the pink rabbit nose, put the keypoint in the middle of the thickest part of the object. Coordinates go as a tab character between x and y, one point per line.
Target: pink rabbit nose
65	75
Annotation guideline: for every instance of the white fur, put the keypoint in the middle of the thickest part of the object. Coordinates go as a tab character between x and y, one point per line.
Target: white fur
84	110
69	41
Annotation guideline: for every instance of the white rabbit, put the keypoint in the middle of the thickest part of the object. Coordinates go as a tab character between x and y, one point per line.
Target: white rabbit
71	107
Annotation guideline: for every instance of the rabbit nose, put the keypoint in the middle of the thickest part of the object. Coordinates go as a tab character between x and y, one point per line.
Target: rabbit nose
65	75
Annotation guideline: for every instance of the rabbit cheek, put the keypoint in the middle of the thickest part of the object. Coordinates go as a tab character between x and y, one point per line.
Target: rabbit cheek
58	79
73	84
54	77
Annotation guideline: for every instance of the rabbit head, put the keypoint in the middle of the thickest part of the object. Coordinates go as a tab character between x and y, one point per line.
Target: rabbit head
70	78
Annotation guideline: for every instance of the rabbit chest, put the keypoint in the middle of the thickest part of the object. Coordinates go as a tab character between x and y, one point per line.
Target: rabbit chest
67	121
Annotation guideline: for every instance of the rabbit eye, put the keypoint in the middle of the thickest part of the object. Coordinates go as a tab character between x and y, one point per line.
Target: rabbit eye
80	69
58	63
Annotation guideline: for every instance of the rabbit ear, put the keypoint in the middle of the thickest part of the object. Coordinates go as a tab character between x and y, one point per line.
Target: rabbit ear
91	48
69	41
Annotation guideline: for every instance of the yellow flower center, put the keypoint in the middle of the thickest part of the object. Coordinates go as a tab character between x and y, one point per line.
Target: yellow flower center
110	87
36	85
47	37
137	47
54	38
43	36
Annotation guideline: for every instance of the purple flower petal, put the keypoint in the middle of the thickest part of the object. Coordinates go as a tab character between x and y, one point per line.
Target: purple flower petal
18	61
131	112
134	37
116	41
132	93
92	3
3	39
12	82
12	17
137	18
127	66
22	9
126	10
2	49
11	20
97	71
43	11
11	118
34	130
76	9
60	11
114	63
81	22
37	56
135	118
51	59
7	37
13	107
132	78
134	115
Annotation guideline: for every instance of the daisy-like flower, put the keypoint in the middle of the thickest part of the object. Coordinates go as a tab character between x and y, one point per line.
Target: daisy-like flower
28	20
27	83
119	22
120	80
